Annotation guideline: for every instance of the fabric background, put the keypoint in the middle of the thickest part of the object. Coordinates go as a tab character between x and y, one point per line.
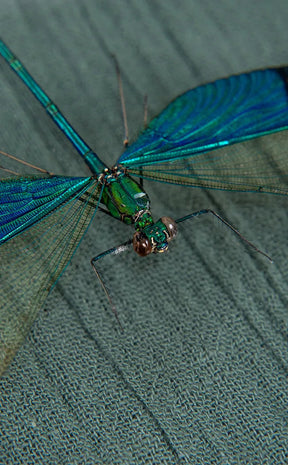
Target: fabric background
200	373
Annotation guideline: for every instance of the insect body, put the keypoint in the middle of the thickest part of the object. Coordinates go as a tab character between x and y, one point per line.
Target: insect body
202	139
126	201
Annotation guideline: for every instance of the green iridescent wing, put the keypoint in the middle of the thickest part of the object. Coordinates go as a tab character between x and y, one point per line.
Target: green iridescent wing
55	212
207	136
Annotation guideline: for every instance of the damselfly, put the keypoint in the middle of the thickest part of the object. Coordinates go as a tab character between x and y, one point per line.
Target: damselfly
202	139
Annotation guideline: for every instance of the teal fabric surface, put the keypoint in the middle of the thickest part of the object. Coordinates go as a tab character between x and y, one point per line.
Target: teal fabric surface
199	375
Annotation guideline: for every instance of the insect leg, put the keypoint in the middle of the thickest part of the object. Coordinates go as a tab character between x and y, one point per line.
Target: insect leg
229	225
112	251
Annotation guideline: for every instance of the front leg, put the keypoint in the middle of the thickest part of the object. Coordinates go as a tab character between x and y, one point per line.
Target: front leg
229	225
112	251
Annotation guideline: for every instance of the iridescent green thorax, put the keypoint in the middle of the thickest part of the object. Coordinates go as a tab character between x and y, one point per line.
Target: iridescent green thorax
154	237
126	201
158	235
144	220
124	197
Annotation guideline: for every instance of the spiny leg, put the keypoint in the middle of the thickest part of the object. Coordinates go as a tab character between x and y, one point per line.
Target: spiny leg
112	251
145	126
124	112
26	163
6	170
202	212
123	106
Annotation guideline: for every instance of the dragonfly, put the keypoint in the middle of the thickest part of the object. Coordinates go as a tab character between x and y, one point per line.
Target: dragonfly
204	138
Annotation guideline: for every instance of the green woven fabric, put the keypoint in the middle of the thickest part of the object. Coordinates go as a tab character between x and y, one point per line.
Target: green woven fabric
199	375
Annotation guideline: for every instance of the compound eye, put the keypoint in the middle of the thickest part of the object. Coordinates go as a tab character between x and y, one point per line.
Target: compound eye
141	244
171	227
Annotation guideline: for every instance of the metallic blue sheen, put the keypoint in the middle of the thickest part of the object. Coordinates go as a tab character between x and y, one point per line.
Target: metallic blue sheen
91	158
25	201
208	117
204	138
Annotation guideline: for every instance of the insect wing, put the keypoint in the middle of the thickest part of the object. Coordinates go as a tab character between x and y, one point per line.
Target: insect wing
26	200
206	137
32	259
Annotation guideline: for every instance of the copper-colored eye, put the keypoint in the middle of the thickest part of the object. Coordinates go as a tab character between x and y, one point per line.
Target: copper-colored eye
171	227
141	244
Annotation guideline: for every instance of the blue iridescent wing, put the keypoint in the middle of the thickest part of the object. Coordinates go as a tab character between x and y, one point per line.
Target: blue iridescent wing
55	213
26	200
206	137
